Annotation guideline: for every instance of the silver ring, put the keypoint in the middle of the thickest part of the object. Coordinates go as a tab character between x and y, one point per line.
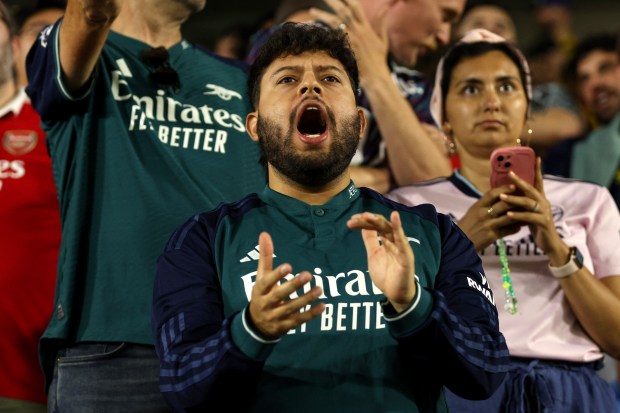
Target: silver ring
347	19
490	212
342	27
536	207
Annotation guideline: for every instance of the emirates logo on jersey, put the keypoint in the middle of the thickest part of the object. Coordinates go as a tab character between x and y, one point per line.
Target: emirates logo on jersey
19	142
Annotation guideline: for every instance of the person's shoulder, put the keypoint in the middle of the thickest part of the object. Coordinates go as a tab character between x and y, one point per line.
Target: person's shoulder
427	211
559	188
431	182
603	135
562	181
233	209
205	224
420	189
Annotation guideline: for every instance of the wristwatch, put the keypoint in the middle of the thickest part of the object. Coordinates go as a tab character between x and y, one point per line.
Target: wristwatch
574	264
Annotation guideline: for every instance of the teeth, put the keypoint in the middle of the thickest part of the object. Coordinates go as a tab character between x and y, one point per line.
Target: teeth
312	108
314	135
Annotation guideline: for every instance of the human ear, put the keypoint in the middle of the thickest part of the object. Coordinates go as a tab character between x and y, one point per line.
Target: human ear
251	125
447	128
362	116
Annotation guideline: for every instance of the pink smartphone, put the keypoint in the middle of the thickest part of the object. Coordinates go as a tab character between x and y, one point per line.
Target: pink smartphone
519	159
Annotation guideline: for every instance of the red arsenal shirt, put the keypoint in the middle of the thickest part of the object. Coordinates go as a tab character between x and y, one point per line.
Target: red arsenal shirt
29	242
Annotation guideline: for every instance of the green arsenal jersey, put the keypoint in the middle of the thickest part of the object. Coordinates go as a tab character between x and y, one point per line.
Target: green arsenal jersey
358	356
131	160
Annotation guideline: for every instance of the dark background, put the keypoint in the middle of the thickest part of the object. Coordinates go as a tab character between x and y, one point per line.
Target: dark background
589	16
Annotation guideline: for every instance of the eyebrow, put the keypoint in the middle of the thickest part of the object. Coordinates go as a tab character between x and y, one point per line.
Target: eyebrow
321	68
475	80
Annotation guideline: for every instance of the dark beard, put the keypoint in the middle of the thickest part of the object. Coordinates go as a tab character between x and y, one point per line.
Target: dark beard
309	169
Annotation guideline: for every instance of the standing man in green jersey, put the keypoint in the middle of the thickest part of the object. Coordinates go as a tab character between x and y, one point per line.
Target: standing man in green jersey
143	128
275	303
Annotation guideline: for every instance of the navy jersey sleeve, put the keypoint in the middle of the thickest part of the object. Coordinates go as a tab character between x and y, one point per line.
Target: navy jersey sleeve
422	104
199	362
45	85
459	341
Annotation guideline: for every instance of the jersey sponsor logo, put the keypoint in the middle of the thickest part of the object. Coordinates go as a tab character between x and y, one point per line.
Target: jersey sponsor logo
122	66
222	93
525	246
12	169
348	317
176	123
482	286
19	142
15	169
338	316
253	255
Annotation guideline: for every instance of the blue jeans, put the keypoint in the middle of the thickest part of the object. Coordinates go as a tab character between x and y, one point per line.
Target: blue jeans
539	386
106	378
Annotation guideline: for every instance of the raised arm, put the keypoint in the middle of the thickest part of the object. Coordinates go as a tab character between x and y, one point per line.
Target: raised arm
412	154
83	32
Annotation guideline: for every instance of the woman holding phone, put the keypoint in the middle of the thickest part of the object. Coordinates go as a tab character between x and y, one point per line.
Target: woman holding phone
550	249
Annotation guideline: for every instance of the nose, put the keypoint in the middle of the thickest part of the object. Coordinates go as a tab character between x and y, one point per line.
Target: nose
492	101
443	34
310	85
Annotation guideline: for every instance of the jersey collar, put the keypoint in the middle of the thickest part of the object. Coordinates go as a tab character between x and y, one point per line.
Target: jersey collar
464	185
15	105
343	199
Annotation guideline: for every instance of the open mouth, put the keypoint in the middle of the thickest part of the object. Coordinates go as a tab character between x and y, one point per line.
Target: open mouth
312	123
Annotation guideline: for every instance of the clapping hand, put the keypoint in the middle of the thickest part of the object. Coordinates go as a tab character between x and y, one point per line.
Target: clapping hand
271	309
390	257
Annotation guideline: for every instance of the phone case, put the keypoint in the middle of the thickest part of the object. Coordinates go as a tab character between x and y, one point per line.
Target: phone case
519	159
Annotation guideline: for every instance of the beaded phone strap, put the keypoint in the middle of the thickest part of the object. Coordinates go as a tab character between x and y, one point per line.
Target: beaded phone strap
509	293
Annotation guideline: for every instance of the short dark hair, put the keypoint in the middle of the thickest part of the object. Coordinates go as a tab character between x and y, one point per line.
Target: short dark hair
293	39
604	42
462	51
26	11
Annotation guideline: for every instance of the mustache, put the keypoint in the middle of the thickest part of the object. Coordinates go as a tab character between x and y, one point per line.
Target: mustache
606	89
